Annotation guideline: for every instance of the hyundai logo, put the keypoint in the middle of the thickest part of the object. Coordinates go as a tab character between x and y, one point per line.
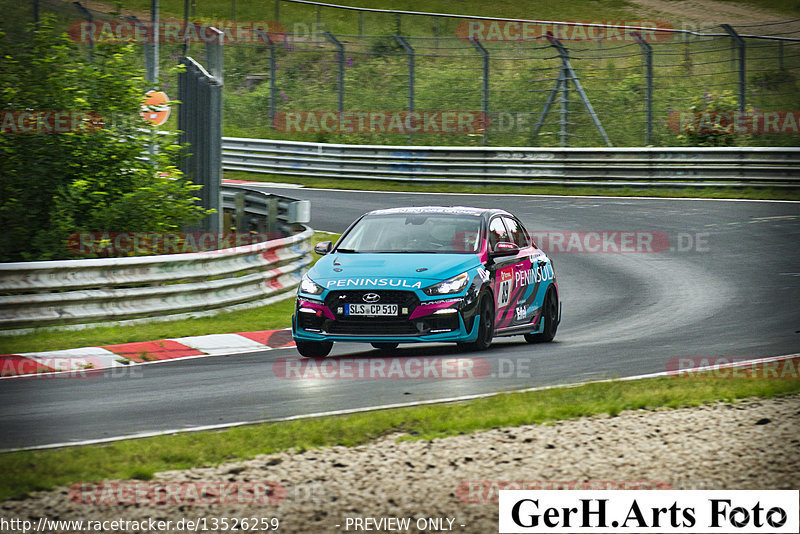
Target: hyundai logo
371	297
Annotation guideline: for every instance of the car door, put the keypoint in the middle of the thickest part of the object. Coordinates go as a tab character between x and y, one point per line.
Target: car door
532	274
508	273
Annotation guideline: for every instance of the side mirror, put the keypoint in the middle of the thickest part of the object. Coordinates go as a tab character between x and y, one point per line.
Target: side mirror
504	248
323	247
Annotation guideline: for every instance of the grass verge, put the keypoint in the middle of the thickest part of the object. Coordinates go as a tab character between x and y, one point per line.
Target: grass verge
27	471
269	317
380	185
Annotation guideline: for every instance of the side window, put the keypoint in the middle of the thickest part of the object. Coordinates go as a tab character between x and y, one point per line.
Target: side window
517	233
497	232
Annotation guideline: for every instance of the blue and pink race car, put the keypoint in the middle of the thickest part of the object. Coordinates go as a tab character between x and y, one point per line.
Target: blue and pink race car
427	274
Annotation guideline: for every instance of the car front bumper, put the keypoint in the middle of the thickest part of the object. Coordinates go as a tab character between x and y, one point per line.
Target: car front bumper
443	320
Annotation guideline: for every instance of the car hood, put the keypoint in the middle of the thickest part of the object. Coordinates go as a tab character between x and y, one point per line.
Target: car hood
389	270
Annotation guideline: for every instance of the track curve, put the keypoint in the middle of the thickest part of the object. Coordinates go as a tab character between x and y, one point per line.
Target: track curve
623	315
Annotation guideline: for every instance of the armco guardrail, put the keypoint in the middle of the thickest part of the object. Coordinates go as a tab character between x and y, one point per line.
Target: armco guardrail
64	292
650	166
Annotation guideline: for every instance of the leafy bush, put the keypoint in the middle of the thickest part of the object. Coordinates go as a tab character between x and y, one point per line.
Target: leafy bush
92	179
712	124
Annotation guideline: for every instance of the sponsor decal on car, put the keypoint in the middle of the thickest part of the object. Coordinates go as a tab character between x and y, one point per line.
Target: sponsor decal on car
373	282
535	275
505	276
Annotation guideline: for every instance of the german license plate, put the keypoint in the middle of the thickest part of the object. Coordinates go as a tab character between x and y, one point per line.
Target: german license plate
371	309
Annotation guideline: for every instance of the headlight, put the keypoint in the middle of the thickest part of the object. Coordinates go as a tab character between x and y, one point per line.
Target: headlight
452	285
309	286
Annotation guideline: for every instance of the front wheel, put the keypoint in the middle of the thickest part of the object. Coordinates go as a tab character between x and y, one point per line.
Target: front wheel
550	318
485	325
314	349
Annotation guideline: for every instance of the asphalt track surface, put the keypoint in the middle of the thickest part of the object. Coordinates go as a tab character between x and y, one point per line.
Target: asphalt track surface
624	314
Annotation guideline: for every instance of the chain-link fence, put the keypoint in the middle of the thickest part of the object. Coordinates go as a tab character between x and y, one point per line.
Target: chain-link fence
320	73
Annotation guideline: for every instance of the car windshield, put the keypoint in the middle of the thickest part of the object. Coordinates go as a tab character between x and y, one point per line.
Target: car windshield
417	232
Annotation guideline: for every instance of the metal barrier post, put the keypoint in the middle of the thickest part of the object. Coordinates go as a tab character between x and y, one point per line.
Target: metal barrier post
272	83
739	42
272	68
185	27
340	48
647	50
86	13
272	215
485	93
239	211
569	74
411	68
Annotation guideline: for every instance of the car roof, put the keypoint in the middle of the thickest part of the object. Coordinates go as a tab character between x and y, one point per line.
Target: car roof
443	210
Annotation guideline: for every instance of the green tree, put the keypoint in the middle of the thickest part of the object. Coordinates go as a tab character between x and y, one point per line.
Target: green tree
53	185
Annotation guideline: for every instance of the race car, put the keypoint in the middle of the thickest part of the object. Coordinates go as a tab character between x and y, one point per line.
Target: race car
427	274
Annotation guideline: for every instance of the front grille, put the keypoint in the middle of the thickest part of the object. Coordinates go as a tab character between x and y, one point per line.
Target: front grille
360	326
373	326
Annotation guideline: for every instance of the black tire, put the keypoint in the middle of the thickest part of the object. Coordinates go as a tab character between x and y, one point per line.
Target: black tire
314	349
387	347
485	326
550	318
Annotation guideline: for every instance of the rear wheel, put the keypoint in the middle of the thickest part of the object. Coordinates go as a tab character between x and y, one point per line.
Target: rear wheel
314	349
485	325
550	318
387	347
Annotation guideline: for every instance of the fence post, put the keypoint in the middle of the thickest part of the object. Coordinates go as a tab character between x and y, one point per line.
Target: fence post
647	50
185	28
267	38
149	58
485	92
154	16
340	50
90	20
272	84
567	74
410	52
739	42
277	10
564	115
